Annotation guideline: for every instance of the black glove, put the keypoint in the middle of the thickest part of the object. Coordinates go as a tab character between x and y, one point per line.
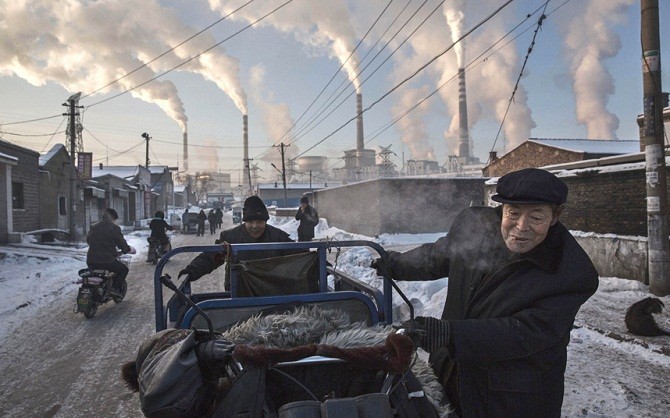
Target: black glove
428	333
188	273
379	265
214	351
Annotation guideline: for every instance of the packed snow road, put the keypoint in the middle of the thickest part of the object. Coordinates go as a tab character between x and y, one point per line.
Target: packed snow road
61	364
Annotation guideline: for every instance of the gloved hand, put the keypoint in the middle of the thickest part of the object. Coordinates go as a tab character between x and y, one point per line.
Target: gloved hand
428	333
379	265
188	273
214	351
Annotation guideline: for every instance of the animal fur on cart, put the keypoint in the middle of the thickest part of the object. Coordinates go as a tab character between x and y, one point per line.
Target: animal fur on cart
265	340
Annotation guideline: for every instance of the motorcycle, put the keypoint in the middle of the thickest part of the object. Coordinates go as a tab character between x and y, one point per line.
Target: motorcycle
156	250
95	290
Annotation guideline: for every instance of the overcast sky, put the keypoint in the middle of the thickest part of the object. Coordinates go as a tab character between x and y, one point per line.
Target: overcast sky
292	67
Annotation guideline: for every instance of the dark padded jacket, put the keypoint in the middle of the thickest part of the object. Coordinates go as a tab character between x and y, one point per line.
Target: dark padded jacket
510	314
103	240
205	263
158	227
308	221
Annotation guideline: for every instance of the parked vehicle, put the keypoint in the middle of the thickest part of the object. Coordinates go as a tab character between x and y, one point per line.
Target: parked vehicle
156	250
95	289
237	214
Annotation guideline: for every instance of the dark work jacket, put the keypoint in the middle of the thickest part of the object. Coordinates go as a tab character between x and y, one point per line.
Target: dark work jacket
103	240
510	314
308	221
158	227
205	263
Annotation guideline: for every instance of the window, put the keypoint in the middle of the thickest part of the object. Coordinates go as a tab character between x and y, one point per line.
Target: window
17	196
62	206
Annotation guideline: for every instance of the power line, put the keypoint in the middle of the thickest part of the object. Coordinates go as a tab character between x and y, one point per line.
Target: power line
169	50
193	57
397	86
32	120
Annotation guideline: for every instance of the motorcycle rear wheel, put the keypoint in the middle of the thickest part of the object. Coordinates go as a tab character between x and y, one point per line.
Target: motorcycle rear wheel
90	311
122	291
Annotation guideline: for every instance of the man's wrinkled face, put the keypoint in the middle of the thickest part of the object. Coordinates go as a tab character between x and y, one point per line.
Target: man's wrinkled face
525	226
255	228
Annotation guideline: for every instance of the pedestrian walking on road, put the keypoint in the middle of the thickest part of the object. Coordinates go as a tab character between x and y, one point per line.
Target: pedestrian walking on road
202	217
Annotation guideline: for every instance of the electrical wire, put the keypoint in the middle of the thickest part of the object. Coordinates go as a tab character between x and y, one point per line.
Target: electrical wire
169	50
397	86
193	57
543	16
31	120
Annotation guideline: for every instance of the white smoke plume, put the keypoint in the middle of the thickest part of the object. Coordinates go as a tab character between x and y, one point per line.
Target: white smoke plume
84	45
276	117
589	41
412	128
322	25
456	20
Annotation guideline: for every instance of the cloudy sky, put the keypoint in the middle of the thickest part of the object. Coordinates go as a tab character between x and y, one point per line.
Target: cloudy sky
168	66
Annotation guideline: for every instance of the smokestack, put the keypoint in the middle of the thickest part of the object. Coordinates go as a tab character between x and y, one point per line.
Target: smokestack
464	137
359	128
185	151
245	144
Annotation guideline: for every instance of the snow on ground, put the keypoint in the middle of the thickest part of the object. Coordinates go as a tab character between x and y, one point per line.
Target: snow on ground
610	372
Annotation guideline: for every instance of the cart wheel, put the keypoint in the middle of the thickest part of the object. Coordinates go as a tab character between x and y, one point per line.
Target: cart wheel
91	310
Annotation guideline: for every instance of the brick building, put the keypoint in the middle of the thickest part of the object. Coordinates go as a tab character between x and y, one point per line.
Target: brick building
23	179
538	152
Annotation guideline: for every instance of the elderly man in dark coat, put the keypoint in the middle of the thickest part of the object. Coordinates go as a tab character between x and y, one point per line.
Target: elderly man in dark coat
254	229
309	219
517	278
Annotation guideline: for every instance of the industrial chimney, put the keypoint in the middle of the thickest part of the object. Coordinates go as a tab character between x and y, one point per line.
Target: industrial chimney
245	143
185	151
359	128
463	137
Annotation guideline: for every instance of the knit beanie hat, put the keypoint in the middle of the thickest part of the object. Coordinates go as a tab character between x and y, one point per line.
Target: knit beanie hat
254	210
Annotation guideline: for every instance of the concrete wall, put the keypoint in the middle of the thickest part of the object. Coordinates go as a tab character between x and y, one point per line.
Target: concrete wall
616	256
405	205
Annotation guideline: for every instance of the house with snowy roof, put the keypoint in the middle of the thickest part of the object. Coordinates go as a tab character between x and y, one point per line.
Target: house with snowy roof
540	152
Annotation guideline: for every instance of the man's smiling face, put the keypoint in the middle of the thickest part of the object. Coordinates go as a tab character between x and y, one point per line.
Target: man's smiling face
525	226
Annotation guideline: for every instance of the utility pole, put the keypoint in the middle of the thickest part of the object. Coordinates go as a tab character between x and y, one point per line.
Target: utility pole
147	138
658	247
283	170
72	102
247	171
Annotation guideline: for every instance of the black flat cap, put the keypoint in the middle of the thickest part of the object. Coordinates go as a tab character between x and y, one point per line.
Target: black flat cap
530	185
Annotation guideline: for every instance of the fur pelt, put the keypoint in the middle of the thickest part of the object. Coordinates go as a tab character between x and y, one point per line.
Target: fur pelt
310	325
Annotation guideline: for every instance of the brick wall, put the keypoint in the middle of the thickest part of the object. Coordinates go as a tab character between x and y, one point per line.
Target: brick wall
25	172
530	154
606	203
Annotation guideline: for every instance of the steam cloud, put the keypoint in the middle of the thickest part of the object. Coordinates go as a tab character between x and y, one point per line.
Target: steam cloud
276	117
83	45
590	39
320	25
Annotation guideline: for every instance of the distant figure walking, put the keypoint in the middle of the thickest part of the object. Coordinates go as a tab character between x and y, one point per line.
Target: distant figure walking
212	221
201	223
219	217
309	218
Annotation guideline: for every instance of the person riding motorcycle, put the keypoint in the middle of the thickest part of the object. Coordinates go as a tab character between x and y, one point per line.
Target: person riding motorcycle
103	240
158	227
